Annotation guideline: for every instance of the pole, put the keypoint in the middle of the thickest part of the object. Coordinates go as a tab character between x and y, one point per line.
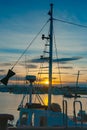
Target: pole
50	55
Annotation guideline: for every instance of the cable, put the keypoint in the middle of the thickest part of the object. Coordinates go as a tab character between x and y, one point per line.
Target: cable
64	21
58	62
29	44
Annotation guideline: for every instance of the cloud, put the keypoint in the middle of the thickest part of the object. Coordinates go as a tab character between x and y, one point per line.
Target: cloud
66	67
5	64
2	70
11	50
63	60
38	60
67	59
29	66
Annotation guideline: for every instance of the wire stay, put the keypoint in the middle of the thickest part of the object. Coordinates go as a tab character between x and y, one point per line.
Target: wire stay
72	23
29	45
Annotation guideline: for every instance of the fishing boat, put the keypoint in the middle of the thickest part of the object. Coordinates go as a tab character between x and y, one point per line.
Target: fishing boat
34	116
38	115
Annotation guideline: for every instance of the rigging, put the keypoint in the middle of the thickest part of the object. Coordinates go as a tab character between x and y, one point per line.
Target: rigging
72	23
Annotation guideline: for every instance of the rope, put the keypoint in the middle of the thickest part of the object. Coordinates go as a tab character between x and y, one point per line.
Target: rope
38	97
29	45
57	62
64	21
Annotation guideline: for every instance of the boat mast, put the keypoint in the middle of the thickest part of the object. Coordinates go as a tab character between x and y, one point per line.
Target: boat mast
50	55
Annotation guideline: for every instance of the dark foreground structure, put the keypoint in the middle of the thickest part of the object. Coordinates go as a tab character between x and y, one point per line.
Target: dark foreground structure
5	117
48	128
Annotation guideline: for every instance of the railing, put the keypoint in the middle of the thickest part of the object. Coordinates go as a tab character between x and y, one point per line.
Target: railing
74	111
65	119
65	113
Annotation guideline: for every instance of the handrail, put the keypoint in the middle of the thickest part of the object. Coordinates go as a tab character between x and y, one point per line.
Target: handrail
74	111
65	119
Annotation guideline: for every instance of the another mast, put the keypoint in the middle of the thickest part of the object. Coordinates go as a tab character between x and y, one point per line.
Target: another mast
50	55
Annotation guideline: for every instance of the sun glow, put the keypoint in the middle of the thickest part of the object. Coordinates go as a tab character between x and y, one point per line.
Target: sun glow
46	82
46	100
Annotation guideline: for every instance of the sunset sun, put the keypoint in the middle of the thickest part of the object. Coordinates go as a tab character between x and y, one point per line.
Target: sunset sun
46	82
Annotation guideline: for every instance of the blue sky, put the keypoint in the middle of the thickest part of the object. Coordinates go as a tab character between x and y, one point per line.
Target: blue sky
21	20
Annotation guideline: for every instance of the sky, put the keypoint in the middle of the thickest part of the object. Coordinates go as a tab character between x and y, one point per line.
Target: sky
22	20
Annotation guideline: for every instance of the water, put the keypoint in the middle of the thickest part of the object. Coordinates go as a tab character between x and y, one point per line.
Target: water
9	103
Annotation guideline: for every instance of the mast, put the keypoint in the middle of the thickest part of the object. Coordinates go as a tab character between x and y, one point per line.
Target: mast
77	83
50	55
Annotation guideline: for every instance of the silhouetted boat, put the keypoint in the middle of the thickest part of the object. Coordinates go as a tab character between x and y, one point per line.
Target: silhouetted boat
38	115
